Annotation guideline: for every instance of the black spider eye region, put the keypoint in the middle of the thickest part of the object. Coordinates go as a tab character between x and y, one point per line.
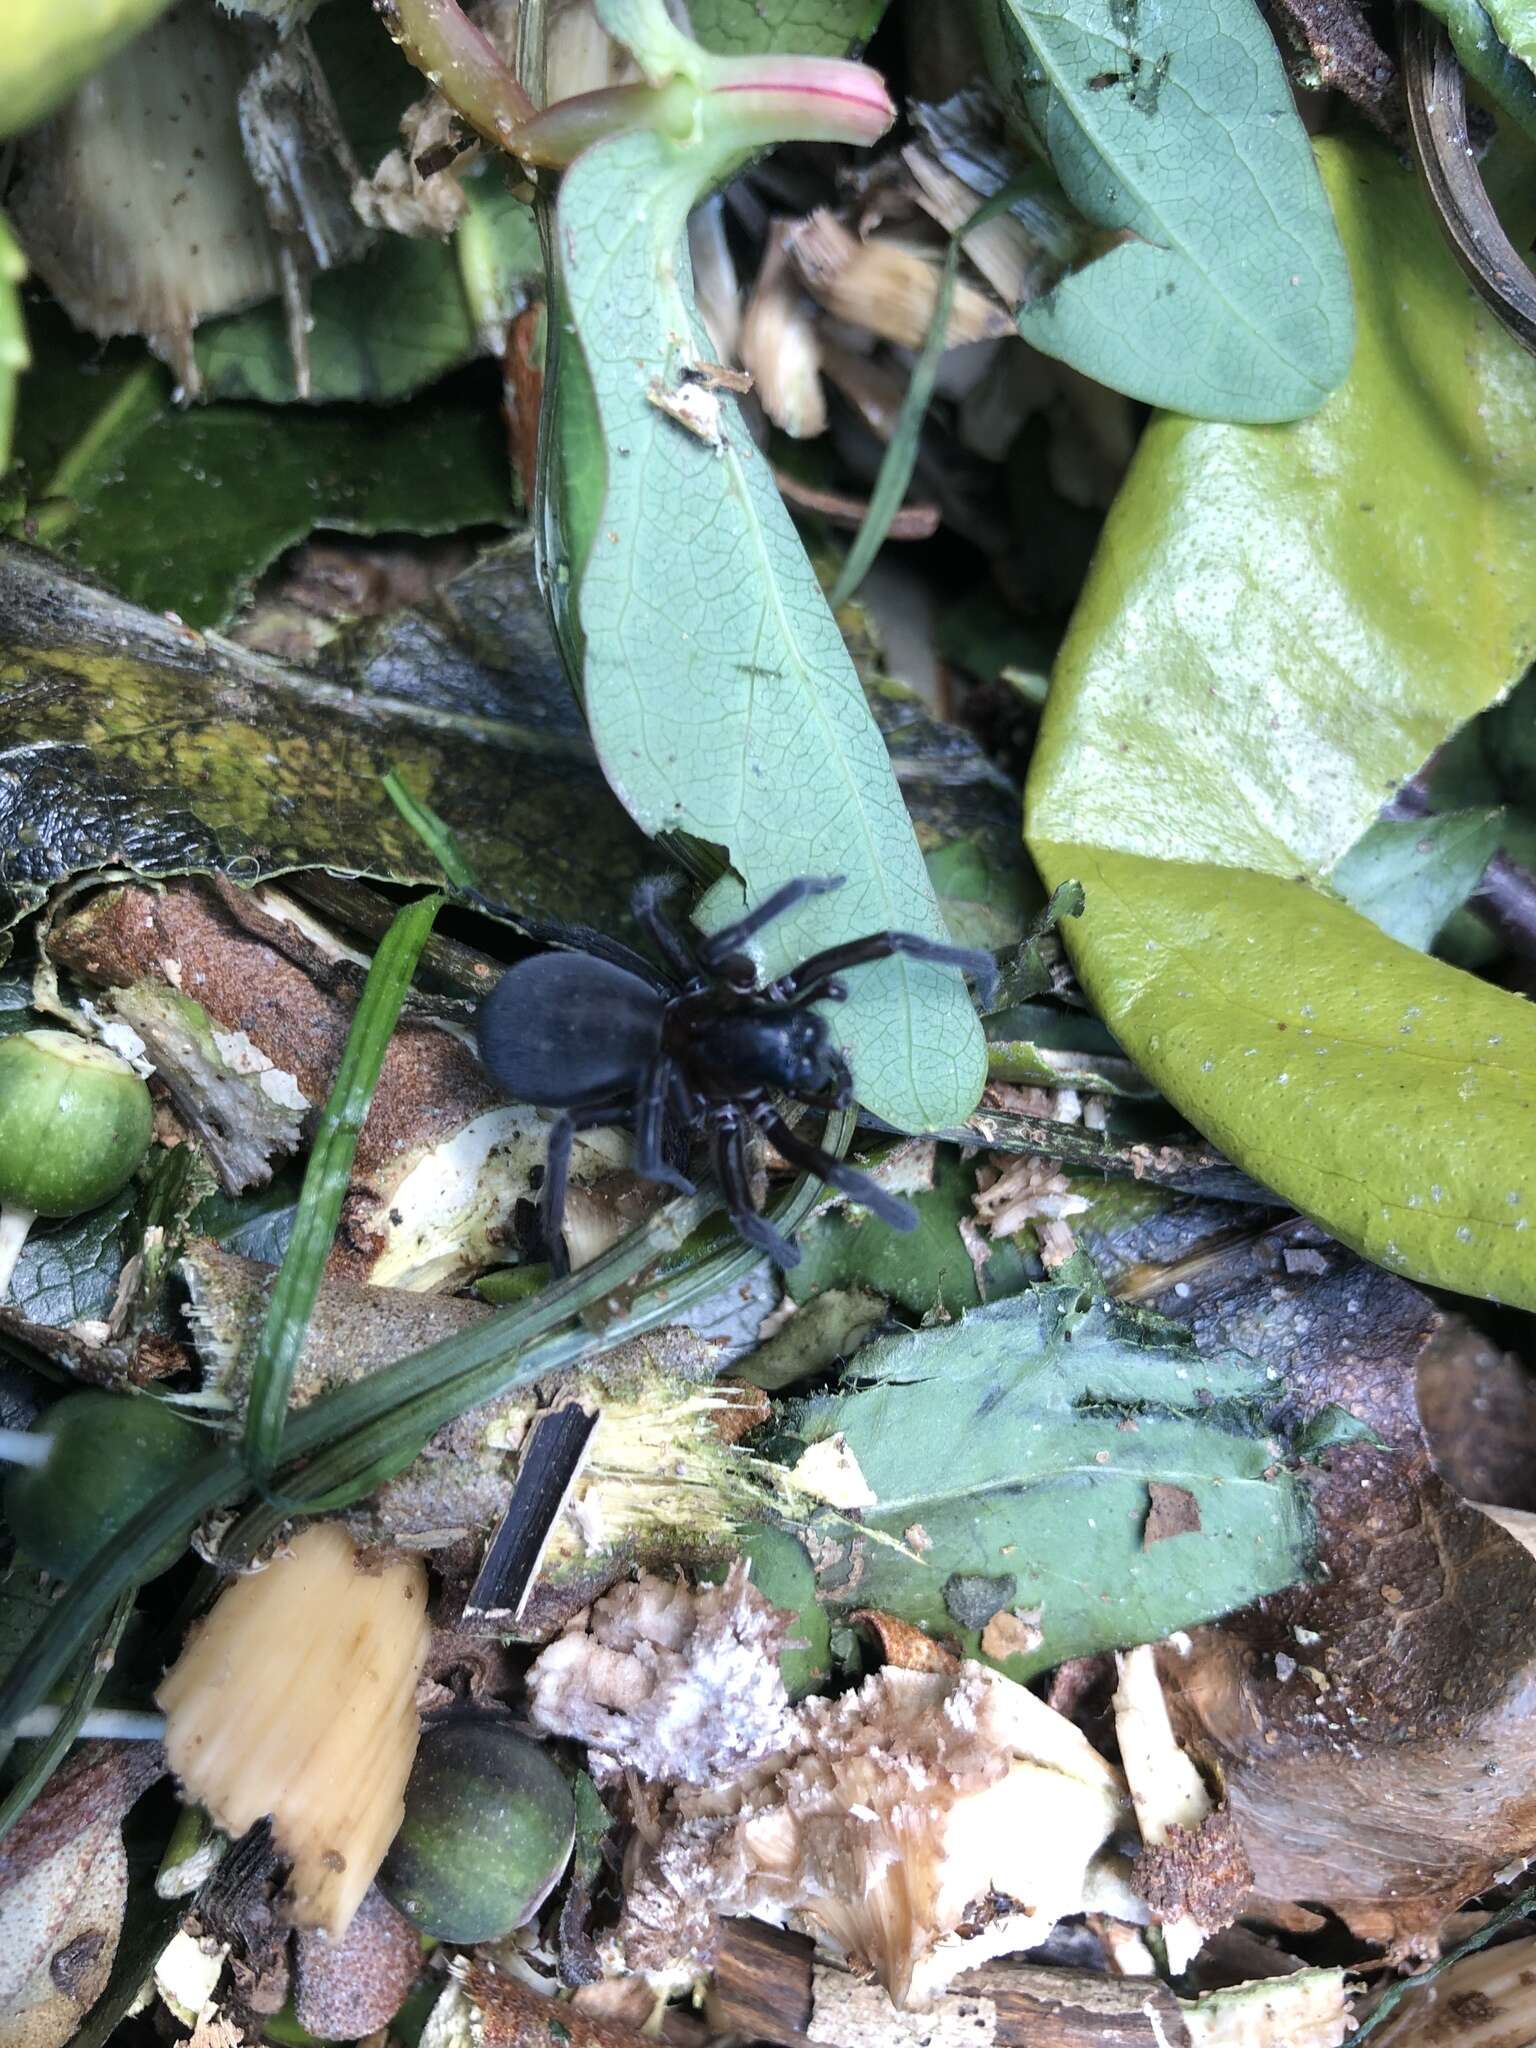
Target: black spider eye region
565	1029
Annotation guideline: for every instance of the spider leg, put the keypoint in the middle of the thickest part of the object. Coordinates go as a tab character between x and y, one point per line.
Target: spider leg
728	1152
813	979
663	934
836	1173
557	1167
650	1121
732	937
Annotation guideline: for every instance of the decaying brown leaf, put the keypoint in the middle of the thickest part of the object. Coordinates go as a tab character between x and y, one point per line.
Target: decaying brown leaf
1374	1731
889	286
63	1888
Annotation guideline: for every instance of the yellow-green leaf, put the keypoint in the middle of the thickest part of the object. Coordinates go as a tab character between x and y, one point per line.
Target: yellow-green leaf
1281	625
47	50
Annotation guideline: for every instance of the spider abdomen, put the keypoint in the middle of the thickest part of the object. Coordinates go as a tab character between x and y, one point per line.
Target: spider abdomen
564	1030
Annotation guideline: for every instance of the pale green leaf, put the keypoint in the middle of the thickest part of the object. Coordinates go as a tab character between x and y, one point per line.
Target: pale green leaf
1228	296
1408	875
1017	1445
1280	627
719	692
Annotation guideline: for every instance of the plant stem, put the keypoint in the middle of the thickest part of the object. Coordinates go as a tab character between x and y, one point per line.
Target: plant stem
462	64
757	100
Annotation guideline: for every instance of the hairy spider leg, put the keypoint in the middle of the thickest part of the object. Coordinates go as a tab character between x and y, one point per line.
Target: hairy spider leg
557	1167
664	935
848	1180
727	1146
650	1123
716	949
811	980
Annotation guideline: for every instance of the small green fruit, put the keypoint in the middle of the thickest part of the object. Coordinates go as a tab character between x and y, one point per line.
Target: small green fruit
110	1455
75	1122
489	1823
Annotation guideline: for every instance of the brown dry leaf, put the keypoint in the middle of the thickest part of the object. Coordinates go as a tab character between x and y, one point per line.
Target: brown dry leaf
63	1888
512	2016
1375	1732
1174	1512
1478	1407
904	1646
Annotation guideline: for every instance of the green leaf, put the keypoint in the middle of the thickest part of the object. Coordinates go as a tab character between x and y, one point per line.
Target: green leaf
47	51
1408	875
160	501
927	1271
1228	297
326	1179
821	28
783	1574
385	328
1280	627
1018	1445
68	1272
719	693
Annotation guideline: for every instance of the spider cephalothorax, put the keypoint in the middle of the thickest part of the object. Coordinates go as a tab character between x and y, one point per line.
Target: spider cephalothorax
700	1052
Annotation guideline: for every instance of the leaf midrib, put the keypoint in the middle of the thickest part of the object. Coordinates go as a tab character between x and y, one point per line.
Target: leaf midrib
1177	243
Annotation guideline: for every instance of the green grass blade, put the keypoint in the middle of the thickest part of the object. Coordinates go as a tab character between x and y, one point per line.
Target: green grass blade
900	458
325	1181
432	832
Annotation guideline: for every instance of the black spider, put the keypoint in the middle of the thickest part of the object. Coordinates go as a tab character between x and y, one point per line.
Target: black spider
698	1053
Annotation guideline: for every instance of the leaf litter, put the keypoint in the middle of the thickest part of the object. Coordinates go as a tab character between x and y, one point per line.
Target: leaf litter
1098	1612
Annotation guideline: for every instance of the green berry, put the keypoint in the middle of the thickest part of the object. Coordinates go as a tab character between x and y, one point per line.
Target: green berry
110	1455
75	1122
489	1823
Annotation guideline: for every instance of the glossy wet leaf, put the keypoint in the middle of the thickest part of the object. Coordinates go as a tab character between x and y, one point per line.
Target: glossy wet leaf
159	500
48	51
717	687
1019	1443
1171	124
1281	626
133	742
1408	875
